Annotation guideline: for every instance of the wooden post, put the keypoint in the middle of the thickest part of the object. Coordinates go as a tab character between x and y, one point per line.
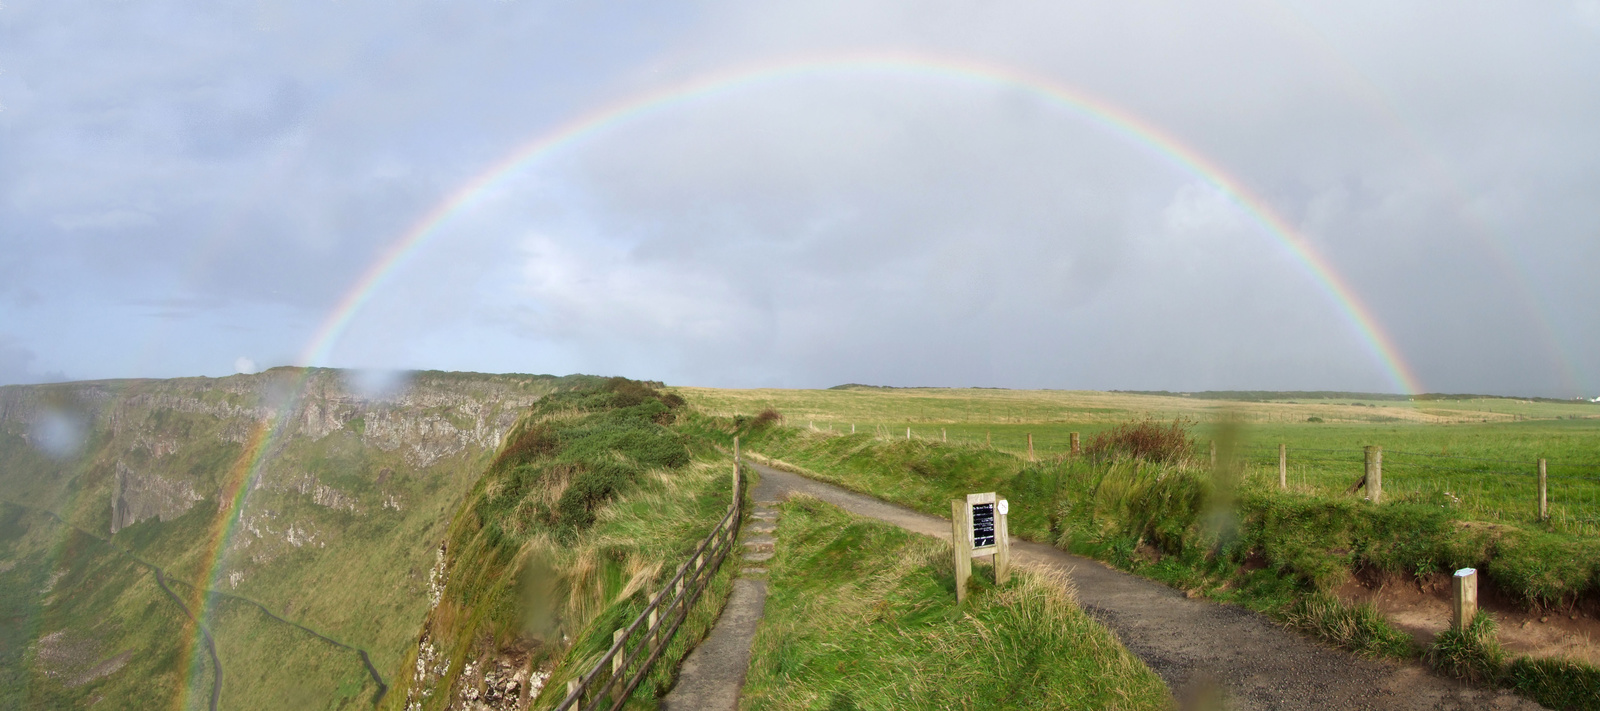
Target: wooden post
1030	446
572	687
616	661
1544	500
988	439
960	546
1075	449
736	463
655	635
1213	453
908	433
1002	545
852	428
944	436
1283	467
1466	598
1375	474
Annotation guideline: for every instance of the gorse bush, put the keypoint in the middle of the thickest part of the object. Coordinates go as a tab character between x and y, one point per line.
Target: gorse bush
1144	439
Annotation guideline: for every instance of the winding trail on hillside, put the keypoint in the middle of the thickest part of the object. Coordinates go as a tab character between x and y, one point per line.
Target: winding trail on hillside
211	646
1197	647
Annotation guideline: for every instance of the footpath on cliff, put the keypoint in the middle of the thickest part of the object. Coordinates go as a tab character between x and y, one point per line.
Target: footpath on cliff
1201	649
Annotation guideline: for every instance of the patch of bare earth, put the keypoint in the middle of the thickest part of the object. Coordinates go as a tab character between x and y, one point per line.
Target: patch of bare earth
1421	607
75	659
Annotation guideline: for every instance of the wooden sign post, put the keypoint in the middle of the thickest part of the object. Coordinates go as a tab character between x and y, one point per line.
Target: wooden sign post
1465	607
978	528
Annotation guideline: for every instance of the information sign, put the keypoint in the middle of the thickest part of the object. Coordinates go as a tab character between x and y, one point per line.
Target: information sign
982	525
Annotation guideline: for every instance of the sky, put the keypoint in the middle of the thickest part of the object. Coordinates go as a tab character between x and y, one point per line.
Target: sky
1365	196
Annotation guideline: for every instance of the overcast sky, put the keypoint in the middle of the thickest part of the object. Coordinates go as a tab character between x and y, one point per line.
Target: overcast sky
191	188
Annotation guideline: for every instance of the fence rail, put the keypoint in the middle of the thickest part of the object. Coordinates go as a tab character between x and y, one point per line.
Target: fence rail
618	672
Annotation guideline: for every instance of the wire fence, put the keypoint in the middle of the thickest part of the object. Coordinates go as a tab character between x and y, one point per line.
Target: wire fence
1485	487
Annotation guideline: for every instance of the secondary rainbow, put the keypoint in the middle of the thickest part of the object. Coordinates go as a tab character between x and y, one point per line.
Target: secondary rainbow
1100	112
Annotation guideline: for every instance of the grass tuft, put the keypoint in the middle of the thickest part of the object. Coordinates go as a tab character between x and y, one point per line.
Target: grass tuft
1357	628
1473	654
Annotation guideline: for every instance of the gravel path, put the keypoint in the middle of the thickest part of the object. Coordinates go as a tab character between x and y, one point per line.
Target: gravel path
1199	648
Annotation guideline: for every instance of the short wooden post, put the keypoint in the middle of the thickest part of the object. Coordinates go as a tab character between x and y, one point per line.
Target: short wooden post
1075	449
1002	545
655	635
1466	598
736	462
908	433
572	687
616	661
1213	453
1283	467
1544	499
852	428
988	439
1030	446
1375	474
960	546
944	436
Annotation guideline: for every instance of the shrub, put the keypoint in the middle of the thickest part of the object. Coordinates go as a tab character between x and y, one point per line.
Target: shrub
1145	439
766	418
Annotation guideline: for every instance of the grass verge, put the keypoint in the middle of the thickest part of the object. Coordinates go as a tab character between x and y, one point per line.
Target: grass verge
862	615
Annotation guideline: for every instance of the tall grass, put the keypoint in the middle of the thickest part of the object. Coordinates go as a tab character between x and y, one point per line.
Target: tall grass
862	615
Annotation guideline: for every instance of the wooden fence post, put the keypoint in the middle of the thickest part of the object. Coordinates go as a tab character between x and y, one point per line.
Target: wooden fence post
736	462
1283	467
1030	446
1544	500
908	433
1213	453
572	687
1466	598
616	661
1002	545
1075	449
960	546
988	439
1375	474
944	435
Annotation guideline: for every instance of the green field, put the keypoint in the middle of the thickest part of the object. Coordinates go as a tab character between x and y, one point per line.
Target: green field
1477	455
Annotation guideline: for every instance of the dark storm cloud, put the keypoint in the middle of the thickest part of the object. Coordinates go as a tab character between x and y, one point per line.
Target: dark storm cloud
203	183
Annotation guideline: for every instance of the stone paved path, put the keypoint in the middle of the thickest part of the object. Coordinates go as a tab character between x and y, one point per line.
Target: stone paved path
713	675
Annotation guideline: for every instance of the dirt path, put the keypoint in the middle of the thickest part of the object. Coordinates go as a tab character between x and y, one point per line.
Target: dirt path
1198	647
713	674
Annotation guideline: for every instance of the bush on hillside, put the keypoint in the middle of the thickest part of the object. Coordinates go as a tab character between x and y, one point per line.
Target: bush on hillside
1145	439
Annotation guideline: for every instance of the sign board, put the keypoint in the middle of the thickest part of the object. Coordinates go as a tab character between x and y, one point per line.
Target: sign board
978	529
981	523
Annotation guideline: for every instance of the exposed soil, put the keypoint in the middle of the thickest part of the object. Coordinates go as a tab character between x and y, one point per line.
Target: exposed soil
1201	649
1421	608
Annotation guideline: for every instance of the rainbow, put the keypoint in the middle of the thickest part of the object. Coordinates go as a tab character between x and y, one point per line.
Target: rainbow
1098	111
1104	114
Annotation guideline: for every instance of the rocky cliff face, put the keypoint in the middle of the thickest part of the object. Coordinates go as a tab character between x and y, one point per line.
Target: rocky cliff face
138	497
321	500
148	427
